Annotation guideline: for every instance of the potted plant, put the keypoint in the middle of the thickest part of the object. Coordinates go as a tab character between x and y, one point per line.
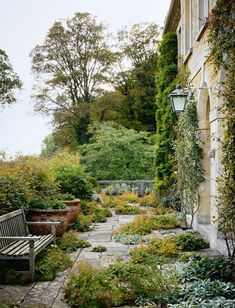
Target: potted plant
72	203
45	210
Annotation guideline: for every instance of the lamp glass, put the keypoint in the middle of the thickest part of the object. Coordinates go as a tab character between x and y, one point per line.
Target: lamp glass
178	102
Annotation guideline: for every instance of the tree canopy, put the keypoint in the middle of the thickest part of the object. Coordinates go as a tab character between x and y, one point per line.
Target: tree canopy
9	80
80	78
71	65
118	153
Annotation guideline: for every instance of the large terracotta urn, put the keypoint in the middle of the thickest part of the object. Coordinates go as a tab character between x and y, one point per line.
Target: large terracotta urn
49	214
74	210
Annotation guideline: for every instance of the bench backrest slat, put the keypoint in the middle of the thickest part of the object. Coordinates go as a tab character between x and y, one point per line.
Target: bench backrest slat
12	224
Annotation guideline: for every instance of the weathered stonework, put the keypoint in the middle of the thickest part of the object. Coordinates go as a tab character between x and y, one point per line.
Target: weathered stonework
192	31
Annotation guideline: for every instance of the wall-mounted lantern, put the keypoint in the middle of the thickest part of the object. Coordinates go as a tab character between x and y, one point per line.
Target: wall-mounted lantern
178	99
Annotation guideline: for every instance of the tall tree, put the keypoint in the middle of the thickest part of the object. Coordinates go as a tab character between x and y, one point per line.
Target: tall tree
138	47
137	86
9	80
165	119
71	65
139	43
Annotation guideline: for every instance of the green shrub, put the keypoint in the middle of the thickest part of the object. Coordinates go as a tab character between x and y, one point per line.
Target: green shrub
14	194
127	210
189	241
36	174
87	207
73	180
99	249
83	223
50	261
45	204
129	239
203	267
64	197
70	241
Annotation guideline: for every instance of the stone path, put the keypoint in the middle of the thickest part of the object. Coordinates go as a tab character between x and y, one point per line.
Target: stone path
50	294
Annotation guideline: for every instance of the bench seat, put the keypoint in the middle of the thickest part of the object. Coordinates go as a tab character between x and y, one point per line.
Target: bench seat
17	243
21	248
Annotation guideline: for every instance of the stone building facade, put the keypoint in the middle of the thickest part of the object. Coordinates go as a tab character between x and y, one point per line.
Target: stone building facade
188	19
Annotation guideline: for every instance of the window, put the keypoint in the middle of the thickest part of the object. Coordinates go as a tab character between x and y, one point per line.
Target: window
188	26
179	41
203	12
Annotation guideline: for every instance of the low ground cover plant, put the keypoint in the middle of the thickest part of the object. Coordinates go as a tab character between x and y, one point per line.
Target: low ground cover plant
100	214
149	200
91	212
109	201
83	223
129	239
129	197
161	210
117	284
155	247
204	293
99	249
196	267
50	261
189	241
127	210
70	241
146	224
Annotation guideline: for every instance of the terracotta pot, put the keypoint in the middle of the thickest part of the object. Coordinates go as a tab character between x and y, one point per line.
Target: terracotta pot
60	215
74	210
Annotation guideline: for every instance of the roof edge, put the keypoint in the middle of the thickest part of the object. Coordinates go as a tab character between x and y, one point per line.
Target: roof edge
168	16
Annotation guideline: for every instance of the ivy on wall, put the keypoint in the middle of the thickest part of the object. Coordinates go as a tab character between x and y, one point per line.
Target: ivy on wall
165	118
222	45
188	155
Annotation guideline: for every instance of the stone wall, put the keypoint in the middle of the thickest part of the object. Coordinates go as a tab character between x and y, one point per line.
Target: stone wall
206	82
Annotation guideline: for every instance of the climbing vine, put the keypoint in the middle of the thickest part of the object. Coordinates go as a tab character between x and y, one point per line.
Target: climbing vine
165	118
222	46
188	155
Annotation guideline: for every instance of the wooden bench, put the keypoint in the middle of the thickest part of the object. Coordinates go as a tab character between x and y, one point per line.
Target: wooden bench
17	244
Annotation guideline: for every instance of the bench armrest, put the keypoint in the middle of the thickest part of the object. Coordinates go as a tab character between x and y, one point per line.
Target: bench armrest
55	223
20	238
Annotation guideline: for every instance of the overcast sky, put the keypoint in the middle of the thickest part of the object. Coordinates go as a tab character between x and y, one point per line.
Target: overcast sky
23	24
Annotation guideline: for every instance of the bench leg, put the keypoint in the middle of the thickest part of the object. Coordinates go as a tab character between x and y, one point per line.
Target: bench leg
31	260
53	231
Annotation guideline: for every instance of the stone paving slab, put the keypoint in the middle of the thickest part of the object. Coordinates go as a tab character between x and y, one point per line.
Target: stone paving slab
13	294
100	236
90	255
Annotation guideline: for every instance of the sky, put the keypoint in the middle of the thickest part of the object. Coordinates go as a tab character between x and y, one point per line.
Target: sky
25	23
